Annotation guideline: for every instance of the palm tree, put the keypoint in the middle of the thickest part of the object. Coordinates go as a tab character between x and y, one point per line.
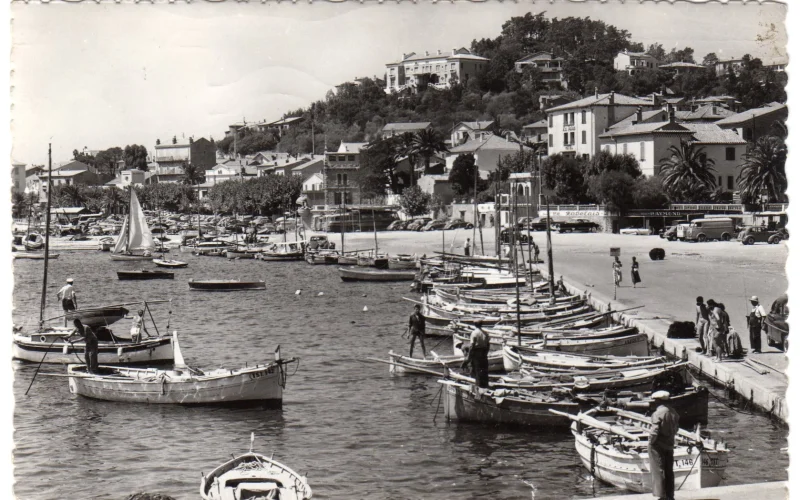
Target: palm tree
686	167
72	194
427	143
192	174
112	199
408	148
18	204
763	171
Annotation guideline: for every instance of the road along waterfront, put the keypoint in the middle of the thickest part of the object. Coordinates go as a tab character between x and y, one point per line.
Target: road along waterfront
356	431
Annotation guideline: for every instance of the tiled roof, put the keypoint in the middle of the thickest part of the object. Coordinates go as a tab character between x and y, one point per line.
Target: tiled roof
490	143
477	125
708	112
648	128
647	116
744	116
351	147
711	133
308	162
287	120
406	127
540	124
682	65
540	56
461	53
602	100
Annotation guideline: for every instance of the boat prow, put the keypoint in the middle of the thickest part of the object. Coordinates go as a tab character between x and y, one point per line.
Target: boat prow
252	475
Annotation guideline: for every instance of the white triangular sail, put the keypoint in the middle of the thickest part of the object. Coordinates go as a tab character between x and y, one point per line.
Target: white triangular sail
140	236
122	241
176	351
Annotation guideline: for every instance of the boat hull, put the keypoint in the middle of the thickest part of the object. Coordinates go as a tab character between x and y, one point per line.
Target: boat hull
99	317
254	476
149	351
629	345
145	275
347	261
375	275
227	285
247	387
172	264
402	264
280	256
129	258
403	365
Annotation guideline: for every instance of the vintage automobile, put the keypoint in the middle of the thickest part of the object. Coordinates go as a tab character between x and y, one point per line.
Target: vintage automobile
758	234
434	225
458	224
641	231
418	224
505	236
575	225
398	225
776	326
537	224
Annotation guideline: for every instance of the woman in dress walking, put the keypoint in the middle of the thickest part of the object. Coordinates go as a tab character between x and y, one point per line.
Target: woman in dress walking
635	272
617	269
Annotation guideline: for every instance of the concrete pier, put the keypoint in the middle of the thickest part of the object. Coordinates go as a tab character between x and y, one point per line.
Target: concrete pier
777	490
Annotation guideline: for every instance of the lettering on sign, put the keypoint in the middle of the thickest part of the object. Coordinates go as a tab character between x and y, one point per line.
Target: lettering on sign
615	252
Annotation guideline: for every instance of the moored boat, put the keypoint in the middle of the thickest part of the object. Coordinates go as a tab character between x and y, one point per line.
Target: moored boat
366	274
226	285
33	255
171	263
145	274
135	235
323	257
403	261
254	476
347	260
402	365
612	445
98	316
292	250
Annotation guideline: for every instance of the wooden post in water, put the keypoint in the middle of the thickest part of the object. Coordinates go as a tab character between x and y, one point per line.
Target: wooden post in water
47	237
550	256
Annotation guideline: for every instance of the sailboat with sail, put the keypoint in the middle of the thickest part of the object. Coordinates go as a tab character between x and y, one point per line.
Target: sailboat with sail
63	347
135	235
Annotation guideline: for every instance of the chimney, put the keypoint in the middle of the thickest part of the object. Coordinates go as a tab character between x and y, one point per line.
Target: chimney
612	119
596	94
438	52
638	115
656	100
426	52
714	108
671	114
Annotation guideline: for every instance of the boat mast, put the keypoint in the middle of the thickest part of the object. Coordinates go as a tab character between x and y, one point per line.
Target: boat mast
130	220
513	234
46	233
341	221
550	255
375	232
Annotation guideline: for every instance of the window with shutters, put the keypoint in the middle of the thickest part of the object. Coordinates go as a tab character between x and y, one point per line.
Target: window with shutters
583	118
550	121
550	140
730	154
730	182
719	181
641	151
566	138
572	138
583	137
344	179
625	148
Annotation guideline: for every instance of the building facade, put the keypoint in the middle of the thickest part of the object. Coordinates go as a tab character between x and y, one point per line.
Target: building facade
439	68
470	131
487	153
339	174
573	128
633	62
18	177
550	67
393	129
752	124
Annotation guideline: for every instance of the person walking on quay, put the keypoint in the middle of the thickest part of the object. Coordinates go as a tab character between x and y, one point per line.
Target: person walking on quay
69	301
718	328
478	357
701	322
661	447
635	272
535	252
416	329
90	340
467	246
755	321
617	268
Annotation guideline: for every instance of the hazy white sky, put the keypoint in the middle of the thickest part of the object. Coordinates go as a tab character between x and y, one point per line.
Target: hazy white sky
110	75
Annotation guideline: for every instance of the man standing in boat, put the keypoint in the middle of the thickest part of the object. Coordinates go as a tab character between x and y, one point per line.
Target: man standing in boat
661	447
137	326
90	340
69	301
416	329
478	356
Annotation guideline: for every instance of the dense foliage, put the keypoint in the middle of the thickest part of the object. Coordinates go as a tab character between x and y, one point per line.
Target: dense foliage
414	201
267	195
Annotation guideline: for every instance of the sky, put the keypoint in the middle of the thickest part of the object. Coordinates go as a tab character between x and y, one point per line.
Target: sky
97	76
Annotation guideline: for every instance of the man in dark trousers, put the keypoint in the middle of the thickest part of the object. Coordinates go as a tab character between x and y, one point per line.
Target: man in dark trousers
467	247
755	320
478	357
90	340
416	329
661	447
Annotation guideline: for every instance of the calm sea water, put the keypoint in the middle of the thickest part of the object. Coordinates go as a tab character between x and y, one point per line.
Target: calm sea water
356	431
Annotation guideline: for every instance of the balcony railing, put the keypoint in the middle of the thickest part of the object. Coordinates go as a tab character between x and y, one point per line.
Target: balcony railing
569	128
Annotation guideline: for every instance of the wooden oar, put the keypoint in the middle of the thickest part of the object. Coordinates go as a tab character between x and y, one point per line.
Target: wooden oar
643	419
424	370
586	419
40	365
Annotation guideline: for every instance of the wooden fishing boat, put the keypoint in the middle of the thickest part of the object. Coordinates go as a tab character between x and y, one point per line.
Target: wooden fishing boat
379	261
347	260
144	274
254	476
612	445
441	317
171	263
226	285
402	261
500	337
239	254
323	257
98	316
33	255
256	385
33	242
522	407
54	345
551	361
403	365
292	250
627	345
362	274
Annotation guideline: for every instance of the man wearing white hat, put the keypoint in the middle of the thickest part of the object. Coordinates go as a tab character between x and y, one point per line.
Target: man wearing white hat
661	447
69	301
755	320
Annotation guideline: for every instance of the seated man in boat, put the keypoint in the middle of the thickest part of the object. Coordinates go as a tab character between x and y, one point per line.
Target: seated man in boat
661	447
416	328
69	301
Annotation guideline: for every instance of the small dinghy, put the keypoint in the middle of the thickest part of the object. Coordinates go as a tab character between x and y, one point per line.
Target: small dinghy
33	255
254	385
436	365
254	476
98	316
366	274
144	274
226	285
170	263
612	444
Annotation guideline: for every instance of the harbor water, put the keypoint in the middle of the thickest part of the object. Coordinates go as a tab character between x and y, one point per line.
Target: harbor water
355	430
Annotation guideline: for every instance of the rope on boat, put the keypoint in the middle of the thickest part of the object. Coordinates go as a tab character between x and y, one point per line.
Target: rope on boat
700	449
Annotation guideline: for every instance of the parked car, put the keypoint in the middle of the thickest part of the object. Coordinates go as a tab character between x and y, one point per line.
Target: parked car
710	229
434	225
505	236
641	231
784	233
458	224
397	225
751	235
583	225
418	224
538	224
776	325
